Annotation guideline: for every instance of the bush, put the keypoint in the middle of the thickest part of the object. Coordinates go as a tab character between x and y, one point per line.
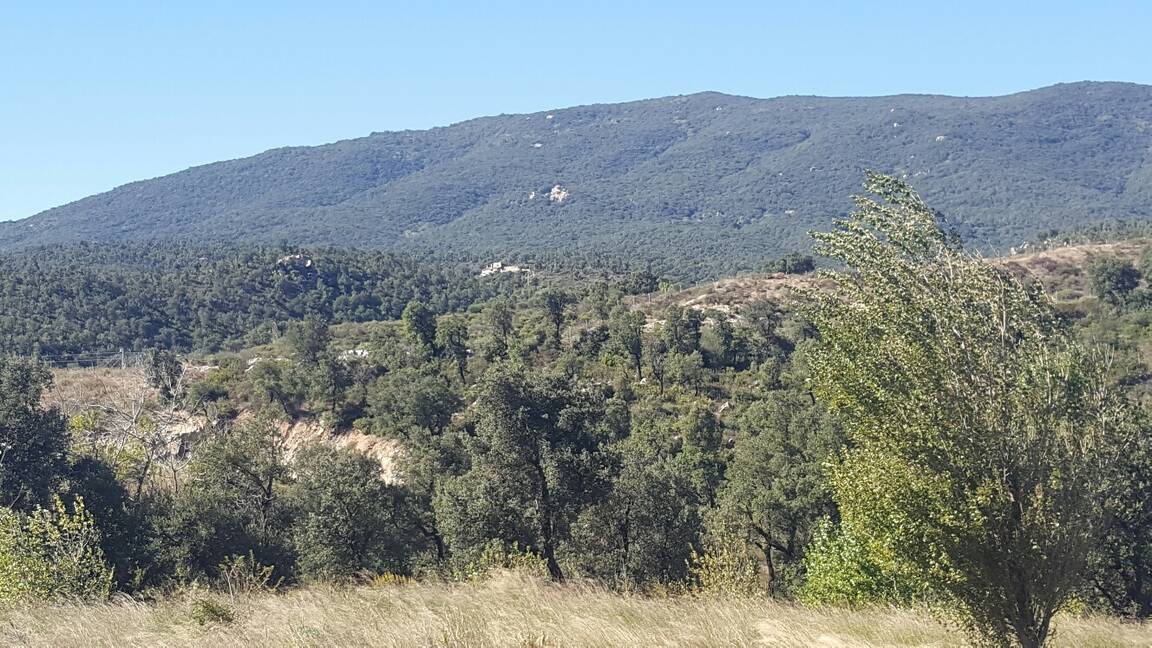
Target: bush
51	554
842	571
724	569
206	611
496	557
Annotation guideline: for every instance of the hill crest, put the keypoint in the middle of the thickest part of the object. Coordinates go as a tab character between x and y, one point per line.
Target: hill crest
701	185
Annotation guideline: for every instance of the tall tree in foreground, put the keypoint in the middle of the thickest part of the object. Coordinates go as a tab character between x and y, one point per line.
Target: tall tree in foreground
980	431
537	461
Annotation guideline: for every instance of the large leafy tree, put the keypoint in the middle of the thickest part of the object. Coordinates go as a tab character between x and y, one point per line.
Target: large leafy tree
33	440
646	529
1113	280
626	337
775	491
452	340
233	503
347	519
537	460
980	429
420	326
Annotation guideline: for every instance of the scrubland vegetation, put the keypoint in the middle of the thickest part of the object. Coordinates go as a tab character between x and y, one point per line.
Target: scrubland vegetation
921	448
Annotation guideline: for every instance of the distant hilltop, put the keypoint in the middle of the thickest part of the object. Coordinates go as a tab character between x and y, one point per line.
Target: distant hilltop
705	183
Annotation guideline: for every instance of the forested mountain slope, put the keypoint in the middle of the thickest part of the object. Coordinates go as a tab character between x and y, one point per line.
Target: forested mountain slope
705	184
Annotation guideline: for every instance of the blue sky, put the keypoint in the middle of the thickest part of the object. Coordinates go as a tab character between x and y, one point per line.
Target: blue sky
93	95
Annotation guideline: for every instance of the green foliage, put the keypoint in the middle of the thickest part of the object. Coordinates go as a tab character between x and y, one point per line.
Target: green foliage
94	298
775	490
949	455
412	398
626	337
307	338
646	529
1113	280
452	340
688	371
347	521
981	430
165	373
1121	566
125	524
209	611
420	326
536	461
842	571
233	504
33	440
724	569
52	554
682	328
794	263
555	304
495	557
501	321
242	575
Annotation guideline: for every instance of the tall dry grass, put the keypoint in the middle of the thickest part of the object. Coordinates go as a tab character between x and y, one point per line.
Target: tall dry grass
506	611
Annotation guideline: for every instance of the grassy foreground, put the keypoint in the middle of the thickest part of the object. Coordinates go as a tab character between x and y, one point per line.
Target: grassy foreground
505	611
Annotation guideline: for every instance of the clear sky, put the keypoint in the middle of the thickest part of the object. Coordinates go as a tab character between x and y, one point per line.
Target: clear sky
96	94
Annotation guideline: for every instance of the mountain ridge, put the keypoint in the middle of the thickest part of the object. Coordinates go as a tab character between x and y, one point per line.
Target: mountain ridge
729	179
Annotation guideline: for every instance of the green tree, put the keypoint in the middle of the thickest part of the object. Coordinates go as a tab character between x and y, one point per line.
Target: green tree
537	460
1113	280
555	306
502	322
646	529
842	569
232	505
721	341
33	440
420	326
601	299
166	373
794	263
775	491
52	554
346	519
682	328
1121	568
758	340
688	370
980	429
626	336
452	339
412	398
307	338
702	437
656	350
124	524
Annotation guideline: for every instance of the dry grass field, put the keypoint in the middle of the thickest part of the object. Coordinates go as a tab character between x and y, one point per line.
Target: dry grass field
505	611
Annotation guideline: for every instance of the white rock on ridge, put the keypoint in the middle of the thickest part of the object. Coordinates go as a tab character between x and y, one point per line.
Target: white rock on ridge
558	195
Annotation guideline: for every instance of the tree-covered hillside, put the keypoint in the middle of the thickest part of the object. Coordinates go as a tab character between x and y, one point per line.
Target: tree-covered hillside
702	184
85	298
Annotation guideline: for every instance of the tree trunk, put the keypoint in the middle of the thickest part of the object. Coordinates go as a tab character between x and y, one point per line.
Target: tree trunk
546	529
